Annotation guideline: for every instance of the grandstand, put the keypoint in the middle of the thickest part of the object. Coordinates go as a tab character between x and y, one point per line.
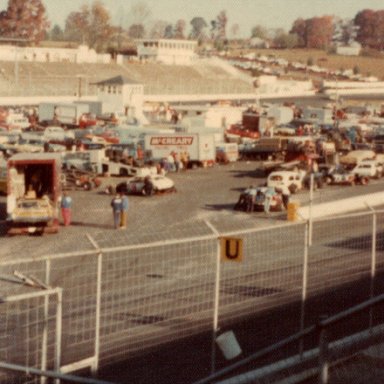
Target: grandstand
63	78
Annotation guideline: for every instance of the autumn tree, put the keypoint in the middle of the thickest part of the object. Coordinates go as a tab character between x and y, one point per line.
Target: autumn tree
259	31
136	31
282	39
316	32
198	31
139	15
91	25
370	28
56	33
77	25
24	19
299	28
221	21
319	32
344	31
168	32
157	30
179	32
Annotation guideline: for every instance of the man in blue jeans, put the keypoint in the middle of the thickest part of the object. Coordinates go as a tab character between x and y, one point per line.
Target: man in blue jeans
116	205
124	212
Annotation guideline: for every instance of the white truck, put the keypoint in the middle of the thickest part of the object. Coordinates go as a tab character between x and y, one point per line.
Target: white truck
67	114
200	148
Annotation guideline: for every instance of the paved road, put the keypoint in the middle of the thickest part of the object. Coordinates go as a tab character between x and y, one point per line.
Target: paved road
202	194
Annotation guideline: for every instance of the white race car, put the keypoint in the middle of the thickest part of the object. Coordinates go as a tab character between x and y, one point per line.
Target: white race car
147	185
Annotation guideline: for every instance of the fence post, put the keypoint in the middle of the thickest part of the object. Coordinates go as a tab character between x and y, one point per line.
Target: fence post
304	285
59	327
323	353
44	342
95	364
215	327
373	265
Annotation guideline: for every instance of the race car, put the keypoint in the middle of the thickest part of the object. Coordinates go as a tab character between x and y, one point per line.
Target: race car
276	200
147	185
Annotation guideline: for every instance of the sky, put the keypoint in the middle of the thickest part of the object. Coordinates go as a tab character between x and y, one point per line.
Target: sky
246	13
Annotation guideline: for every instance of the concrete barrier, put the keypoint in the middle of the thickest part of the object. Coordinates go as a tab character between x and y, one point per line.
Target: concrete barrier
341	206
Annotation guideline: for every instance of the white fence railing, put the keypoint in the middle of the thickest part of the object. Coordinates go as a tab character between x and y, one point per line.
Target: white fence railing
119	301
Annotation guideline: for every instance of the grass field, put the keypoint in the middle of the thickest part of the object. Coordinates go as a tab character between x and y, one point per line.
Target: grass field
367	65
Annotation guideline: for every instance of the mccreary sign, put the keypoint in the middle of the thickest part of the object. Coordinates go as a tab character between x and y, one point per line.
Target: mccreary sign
174	140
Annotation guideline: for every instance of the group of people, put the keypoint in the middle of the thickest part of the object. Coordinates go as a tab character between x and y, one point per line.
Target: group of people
119	206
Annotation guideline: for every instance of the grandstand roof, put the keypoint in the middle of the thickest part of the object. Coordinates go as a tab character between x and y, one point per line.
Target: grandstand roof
117	80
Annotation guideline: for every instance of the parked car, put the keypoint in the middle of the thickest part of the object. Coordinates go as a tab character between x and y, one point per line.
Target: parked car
368	168
338	175
57	134
293	180
141	185
79	179
276	203
32	210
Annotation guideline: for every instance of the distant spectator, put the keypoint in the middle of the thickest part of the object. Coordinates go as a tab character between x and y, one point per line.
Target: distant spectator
66	208
116	205
124	212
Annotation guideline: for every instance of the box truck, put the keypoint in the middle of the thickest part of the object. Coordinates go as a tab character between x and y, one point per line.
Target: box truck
199	148
66	114
33	192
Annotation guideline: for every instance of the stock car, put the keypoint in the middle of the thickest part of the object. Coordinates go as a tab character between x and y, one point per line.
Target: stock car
338	175
137	185
33	210
276	203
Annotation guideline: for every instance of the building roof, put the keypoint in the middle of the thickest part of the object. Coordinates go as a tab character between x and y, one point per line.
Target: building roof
117	80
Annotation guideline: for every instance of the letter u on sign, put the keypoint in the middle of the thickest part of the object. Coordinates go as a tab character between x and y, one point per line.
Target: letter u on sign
231	249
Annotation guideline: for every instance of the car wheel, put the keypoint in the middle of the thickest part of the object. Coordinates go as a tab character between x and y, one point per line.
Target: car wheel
87	186
110	190
123	172
292	188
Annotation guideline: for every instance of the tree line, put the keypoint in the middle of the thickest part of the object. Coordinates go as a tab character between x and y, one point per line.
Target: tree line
27	20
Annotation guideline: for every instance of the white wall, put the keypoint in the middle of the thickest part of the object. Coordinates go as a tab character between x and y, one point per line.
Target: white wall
82	54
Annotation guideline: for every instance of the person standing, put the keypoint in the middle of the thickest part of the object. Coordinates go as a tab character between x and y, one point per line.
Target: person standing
66	208
116	205
285	193
124	212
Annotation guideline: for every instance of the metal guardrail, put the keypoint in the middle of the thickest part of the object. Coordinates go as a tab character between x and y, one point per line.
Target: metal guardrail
322	352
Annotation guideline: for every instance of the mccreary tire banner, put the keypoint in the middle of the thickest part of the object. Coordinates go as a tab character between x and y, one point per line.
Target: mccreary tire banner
174	140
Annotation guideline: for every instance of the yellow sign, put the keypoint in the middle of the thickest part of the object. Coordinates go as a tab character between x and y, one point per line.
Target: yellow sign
231	249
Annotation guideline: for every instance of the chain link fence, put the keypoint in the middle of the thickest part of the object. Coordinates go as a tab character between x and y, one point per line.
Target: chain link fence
123	298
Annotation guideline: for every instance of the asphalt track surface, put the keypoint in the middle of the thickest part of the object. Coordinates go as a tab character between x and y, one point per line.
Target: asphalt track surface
202	194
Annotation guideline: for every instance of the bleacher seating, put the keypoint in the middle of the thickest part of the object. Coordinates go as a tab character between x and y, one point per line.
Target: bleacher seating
62	78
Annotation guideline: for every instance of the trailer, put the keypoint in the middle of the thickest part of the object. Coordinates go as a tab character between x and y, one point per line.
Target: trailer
67	114
33	193
200	149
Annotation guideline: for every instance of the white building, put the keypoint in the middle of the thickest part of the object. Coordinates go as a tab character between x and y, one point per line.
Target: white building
121	95
350	50
167	51
82	54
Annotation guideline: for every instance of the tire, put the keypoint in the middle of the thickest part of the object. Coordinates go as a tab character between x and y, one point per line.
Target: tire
110	190
123	172
87	186
292	188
